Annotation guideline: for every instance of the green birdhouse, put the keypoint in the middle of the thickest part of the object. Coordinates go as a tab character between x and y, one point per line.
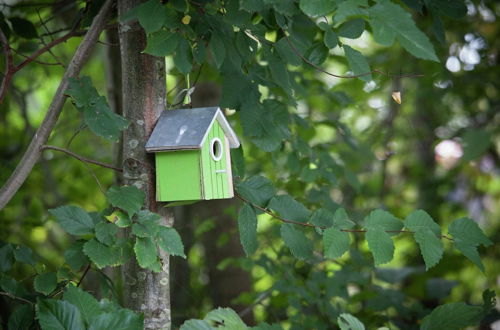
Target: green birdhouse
192	152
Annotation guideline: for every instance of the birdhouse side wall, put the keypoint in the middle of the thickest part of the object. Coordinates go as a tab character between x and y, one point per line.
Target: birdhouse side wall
178	176
215	174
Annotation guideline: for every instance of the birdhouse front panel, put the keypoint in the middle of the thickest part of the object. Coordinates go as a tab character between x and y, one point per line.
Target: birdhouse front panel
216	166
192	155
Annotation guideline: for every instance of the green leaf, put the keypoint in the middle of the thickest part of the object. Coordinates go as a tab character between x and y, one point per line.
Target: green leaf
24	254
289	208
103	255
380	245
348	322
452	316
23	27
454	9
151	15
389	20
22	318
341	219
45	283
226	317
286	53
383	220
475	143
161	43
279	73
183	58
331	39
75	257
73	219
419	219
145	252
102	121
300	246
82	92
105	232
317	53
86	303
170	241
147	224
58	315
430	245
128	198
348	9
352	29
196	324
335	242
317	7
357	63
256	189
217	49
6	258
467	236
322	218
123	319
247	226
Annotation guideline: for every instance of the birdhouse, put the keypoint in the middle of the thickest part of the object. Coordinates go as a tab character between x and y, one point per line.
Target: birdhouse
192	155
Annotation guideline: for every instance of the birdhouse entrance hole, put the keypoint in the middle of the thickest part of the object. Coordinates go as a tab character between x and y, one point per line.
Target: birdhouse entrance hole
216	149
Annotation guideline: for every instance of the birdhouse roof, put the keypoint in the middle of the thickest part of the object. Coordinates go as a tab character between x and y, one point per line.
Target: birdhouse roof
188	129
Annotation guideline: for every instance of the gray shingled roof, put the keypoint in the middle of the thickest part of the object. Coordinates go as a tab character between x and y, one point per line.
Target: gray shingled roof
187	129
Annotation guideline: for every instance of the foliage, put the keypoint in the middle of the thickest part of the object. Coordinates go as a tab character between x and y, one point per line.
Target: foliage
320	170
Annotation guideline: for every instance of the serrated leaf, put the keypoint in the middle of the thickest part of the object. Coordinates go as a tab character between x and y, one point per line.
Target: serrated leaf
170	241
347	9
357	63
289	208
331	39
45	283
380	245
317	53
322	218
151	15
22	318
383	220
103	255
73	219
279	73
217	49
389	20
86	303
58	315
341	219
24	254
102	121
161	43
256	189
316	8
75	257
127	198
196	324
105	232
452	316
300	246
475	143
335	242
419	219
352	29
183	58
82	92
145	252
227	317
430	245
247	226
6	257
122	319
147	224
348	322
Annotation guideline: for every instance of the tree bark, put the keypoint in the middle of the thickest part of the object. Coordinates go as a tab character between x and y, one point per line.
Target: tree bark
143	83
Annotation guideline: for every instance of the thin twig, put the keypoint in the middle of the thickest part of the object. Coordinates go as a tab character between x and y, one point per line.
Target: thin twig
9	65
33	60
15	297
305	224
248	309
81	158
294	49
32	154
83	275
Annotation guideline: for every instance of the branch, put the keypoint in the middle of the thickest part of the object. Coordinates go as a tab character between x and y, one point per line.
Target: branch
294	49
83	275
81	158
2	293
33	152
277	217
9	65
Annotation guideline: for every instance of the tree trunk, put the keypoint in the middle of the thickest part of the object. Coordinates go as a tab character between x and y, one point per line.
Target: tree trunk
143	83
